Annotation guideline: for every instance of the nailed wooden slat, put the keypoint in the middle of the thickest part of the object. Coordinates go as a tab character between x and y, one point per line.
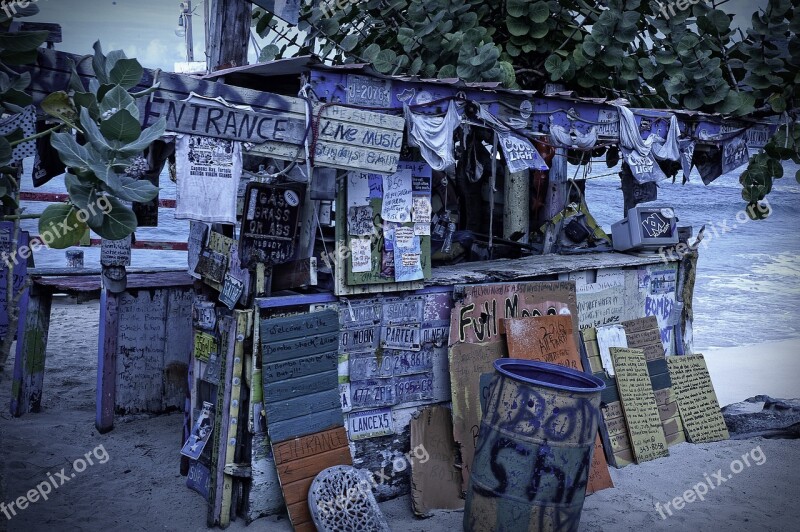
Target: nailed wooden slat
290	388
313	423
287	328
298	367
298	407
299	469
279	351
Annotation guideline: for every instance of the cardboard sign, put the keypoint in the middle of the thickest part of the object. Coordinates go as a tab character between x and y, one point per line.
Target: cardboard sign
697	401
435	484
639	404
643	333
370	423
269	225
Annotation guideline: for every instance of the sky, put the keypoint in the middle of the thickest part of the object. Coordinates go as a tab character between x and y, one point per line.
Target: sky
145	29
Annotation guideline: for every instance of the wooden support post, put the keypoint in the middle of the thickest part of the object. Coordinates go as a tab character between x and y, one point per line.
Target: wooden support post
557	194
243	323
107	361
228	33
516	215
32	331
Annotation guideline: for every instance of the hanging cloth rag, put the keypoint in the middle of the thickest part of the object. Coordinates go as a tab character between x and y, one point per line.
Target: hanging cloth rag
433	135
520	154
26	121
629	137
572	139
668	150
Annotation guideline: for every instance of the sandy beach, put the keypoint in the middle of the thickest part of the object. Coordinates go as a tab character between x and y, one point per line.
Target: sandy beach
134	483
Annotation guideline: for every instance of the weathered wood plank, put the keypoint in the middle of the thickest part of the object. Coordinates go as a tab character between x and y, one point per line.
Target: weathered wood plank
178	348
243	324
264	497
294	348
140	351
298	407
299	460
277	329
312	423
108	343
291	388
31	353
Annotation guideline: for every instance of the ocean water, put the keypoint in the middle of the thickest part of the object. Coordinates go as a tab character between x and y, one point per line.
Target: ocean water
748	277
747	289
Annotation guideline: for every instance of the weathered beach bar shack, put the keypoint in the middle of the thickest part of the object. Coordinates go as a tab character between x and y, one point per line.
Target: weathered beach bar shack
362	248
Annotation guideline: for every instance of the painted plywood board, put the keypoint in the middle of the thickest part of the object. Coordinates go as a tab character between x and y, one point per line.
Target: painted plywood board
543	338
639	404
697	401
299	460
141	346
436	483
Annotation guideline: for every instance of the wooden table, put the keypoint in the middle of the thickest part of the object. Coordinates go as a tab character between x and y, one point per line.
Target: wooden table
163	318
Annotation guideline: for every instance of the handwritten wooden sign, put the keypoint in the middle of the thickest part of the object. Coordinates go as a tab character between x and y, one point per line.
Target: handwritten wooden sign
301	393
697	401
269	224
300	460
639	404
643	333
543	338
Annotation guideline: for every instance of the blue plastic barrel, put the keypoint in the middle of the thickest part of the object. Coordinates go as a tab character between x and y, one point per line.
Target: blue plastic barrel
534	449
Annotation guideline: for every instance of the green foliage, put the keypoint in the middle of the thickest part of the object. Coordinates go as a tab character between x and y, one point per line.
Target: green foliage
109	119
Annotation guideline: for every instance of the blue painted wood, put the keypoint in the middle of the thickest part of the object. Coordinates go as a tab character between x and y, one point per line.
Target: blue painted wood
298	347
283	389
276	302
298	407
315	422
315	323
299	367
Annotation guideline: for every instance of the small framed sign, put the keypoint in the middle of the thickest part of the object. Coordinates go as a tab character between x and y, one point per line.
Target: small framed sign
269	224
